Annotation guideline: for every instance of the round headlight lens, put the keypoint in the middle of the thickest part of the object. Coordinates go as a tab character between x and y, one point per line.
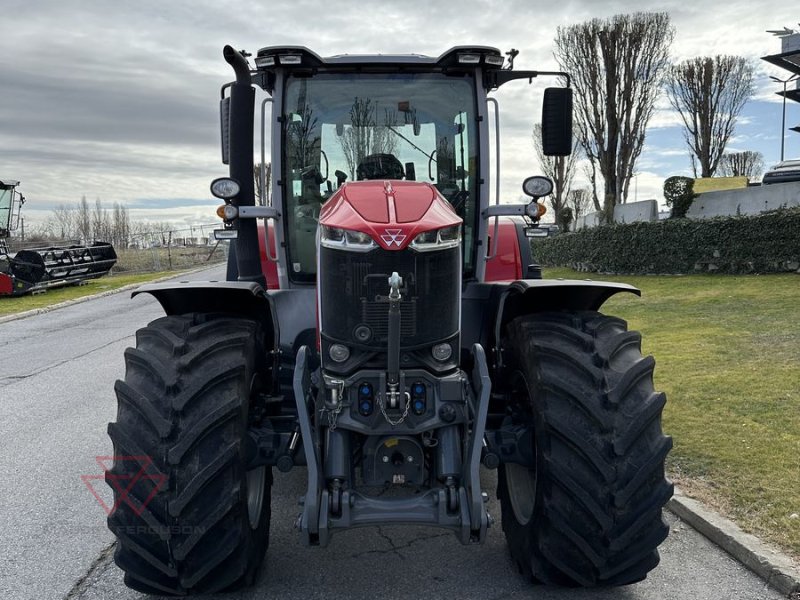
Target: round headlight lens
537	186
225	188
442	352
339	353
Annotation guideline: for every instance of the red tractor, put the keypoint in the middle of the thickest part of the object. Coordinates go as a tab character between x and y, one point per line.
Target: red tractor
389	331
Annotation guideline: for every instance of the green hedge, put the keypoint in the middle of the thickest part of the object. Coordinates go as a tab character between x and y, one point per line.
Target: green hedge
767	243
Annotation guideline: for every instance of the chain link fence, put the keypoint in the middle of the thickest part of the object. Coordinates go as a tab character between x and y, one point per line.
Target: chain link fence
171	250
164	249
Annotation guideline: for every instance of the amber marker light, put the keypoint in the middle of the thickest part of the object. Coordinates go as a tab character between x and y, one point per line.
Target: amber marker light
227	212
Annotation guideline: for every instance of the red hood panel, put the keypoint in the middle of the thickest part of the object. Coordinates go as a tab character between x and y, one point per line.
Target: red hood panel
393	213
370	201
411	202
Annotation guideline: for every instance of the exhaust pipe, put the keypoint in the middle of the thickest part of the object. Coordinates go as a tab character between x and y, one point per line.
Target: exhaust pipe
242	105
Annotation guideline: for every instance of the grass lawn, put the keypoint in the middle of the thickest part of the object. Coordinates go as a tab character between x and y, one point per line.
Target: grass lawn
727	350
12	305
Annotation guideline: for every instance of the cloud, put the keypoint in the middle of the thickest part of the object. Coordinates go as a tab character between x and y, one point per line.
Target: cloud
119	101
663	118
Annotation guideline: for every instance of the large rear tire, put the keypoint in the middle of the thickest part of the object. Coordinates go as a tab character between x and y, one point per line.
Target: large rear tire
590	512
187	515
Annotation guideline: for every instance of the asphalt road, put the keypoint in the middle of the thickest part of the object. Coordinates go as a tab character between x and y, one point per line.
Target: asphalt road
56	397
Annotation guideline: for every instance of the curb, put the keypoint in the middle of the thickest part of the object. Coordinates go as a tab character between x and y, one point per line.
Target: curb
769	564
66	303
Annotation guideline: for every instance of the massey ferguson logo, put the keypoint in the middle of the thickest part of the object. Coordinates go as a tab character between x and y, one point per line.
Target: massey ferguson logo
393	236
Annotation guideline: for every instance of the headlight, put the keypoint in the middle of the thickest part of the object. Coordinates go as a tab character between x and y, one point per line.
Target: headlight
438	239
339	353
537	186
346	239
225	188
442	352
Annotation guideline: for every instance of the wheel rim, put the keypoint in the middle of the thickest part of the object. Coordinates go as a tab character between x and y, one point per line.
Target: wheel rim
256	482
521	483
520	480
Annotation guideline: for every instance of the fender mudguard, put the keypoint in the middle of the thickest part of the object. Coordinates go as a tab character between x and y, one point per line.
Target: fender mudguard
245	299
526	296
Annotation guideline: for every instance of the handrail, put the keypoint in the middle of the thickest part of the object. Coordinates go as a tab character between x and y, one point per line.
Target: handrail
493	246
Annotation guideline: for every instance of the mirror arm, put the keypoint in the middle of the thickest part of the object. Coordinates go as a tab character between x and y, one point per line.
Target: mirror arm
503	210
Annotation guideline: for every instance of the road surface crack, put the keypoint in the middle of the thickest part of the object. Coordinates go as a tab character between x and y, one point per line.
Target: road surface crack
10	379
394	548
99	564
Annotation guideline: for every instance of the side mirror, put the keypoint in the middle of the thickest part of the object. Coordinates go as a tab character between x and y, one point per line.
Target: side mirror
557	122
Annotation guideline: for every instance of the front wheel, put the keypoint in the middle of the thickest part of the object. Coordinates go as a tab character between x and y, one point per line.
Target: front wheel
189	518
589	512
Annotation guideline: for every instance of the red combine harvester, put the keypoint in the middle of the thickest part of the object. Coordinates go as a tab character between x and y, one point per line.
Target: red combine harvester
37	269
388	331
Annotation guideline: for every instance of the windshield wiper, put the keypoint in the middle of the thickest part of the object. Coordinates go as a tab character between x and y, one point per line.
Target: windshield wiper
412	144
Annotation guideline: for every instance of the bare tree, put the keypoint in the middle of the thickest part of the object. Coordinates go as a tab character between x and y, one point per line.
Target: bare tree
101	224
579	201
366	134
120	226
617	67
267	181
709	94
560	169
303	139
164	230
62	223
84	225
748	164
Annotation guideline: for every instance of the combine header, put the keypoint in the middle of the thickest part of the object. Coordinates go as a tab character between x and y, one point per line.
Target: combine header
38	269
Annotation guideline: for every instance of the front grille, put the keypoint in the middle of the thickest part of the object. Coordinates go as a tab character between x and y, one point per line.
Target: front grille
376	316
354	292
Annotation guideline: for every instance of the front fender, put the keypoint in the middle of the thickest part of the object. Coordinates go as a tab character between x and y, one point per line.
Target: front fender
245	299
563	294
527	296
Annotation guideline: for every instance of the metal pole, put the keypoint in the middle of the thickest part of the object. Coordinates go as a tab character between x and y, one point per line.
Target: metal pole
783	116
783	119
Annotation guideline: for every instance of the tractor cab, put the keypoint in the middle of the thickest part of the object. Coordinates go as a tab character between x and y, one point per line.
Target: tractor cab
10	203
412	118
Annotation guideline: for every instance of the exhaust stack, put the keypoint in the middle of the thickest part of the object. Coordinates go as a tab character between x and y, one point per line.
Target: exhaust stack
242	103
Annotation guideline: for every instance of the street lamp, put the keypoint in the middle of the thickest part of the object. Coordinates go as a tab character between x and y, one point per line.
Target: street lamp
783	119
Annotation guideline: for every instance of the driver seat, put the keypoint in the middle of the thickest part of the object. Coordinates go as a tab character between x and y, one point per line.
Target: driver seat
379	166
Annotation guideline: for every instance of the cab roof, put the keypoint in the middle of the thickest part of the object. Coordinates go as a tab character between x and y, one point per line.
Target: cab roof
304	57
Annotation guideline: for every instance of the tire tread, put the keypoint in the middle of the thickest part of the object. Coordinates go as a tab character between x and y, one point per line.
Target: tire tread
601	485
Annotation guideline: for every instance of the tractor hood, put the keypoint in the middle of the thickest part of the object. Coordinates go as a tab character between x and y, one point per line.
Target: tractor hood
392	213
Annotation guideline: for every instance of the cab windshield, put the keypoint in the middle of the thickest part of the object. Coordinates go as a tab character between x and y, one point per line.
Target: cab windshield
6	196
351	127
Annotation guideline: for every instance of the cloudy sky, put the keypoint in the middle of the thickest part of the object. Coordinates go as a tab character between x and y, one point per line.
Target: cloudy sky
119	101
